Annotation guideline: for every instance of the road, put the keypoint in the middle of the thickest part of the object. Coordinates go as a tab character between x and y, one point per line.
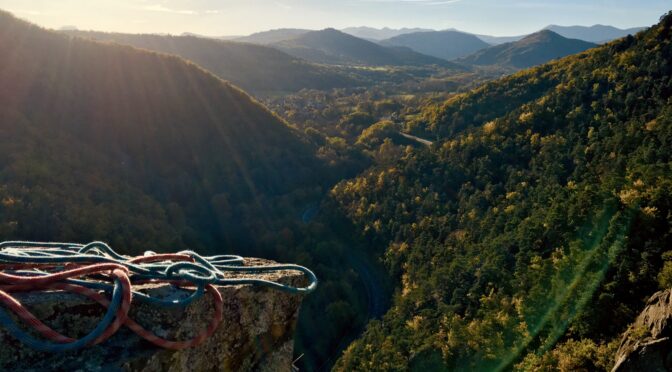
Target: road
376	298
373	287
372	281
419	140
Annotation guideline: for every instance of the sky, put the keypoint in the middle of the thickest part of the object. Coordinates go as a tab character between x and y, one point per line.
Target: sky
242	17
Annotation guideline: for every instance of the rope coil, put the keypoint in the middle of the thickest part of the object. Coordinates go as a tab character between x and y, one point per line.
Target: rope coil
94	267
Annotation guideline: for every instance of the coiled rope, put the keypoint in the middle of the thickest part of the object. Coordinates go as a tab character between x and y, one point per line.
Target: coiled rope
89	269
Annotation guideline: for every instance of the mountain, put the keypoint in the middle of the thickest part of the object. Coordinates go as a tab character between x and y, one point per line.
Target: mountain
272	36
441	44
530	234
331	46
256	68
496	40
377	34
532	50
104	141
594	34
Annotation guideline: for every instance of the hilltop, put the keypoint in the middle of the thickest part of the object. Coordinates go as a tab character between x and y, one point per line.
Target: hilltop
331	46
272	36
441	44
594	34
377	34
532	50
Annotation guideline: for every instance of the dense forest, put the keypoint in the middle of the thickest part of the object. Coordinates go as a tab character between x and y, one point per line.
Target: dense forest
531	232
458	216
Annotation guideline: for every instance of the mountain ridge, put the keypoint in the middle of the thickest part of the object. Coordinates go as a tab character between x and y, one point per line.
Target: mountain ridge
598	34
534	49
333	47
378	34
272	36
255	68
447	44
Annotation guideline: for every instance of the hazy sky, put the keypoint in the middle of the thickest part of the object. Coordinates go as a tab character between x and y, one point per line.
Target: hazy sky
238	17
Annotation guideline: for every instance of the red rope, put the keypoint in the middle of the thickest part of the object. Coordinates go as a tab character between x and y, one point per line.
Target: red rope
54	281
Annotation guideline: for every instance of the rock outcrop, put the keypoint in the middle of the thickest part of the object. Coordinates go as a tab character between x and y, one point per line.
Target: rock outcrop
255	335
647	345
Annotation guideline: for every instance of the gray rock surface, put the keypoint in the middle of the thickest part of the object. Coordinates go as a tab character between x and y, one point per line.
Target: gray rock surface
646	345
255	335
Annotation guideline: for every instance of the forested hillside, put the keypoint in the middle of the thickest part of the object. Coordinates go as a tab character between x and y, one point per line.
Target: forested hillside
149	152
532	50
255	68
128	108
530	234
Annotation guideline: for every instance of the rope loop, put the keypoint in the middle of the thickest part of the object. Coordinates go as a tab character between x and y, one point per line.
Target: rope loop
95	270
190	272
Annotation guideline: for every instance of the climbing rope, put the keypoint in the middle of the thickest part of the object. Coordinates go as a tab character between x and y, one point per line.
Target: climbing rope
95	268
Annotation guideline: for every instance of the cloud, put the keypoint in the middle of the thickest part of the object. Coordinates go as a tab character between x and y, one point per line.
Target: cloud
417	2
442	2
161	8
164	9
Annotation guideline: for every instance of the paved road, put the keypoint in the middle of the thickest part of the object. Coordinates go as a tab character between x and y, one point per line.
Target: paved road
375	295
417	139
371	281
372	285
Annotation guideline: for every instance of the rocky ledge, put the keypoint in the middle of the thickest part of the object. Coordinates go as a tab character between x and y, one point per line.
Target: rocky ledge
256	333
647	344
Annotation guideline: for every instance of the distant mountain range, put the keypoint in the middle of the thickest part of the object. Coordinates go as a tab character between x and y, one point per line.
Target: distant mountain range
441	44
532	50
256	68
272	36
594	34
598	34
331	46
378	34
416	46
496	40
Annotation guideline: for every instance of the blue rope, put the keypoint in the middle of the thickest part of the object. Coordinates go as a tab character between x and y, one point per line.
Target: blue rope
7	322
205	270
201	272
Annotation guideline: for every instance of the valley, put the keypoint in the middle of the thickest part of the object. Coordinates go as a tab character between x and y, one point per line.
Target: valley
468	202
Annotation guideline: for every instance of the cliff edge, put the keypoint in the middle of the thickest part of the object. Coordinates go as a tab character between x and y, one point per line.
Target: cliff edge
256	333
